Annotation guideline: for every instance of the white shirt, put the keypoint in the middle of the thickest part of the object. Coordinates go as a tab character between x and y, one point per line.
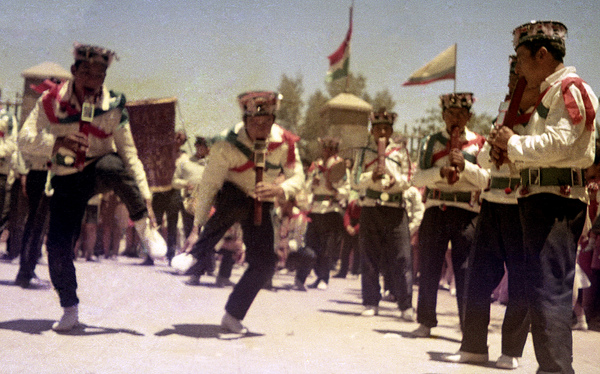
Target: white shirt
556	141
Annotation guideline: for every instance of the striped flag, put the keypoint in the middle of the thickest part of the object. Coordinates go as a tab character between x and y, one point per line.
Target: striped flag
339	61
443	66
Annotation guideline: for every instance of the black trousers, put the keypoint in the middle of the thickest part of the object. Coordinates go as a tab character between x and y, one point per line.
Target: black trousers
168	203
384	240
498	241
552	226
438	228
67	206
233	205
324	237
36	224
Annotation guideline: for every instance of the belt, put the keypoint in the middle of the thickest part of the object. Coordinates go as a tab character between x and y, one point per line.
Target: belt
552	177
503	183
384	196
459	197
323	198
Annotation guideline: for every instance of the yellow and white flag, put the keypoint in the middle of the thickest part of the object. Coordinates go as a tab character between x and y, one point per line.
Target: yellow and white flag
443	66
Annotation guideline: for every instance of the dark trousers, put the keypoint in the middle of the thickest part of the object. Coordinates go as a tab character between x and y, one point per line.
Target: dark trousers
67	206
384	241
324	236
226	265
302	260
36	224
16	218
169	203
350	246
438	228
498	241
233	205
552	226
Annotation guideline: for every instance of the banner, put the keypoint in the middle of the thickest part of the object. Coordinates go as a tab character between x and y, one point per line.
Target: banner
443	66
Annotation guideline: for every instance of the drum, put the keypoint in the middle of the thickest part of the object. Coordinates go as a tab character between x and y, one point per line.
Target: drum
153	128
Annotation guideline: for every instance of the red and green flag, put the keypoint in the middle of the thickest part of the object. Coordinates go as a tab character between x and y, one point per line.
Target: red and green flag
339	61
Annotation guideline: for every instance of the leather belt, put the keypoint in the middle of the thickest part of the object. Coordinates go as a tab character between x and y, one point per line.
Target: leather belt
503	183
458	197
384	196
552	177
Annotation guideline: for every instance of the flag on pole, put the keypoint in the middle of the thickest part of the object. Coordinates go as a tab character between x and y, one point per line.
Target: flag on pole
443	66
339	61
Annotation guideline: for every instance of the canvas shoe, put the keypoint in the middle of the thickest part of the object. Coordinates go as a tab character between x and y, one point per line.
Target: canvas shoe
152	241
507	362
233	325
461	356
422	332
408	315
370	311
69	319
223	282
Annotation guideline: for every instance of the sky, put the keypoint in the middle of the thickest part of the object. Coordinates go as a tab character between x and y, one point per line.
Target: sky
207	52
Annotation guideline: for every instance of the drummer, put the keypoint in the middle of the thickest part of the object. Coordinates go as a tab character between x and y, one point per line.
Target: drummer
92	150
330	186
382	175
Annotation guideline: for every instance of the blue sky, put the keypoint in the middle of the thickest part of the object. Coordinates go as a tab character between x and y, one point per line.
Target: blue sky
207	52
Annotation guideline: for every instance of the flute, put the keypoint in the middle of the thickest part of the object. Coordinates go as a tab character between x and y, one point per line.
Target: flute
381	145
454	144
260	153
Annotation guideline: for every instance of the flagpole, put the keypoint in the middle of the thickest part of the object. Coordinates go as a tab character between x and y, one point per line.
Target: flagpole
455	58
350	25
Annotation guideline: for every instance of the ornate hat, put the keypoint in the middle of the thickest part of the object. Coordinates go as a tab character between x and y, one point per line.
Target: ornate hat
93	53
538	30
457	100
512	60
200	141
259	103
383	116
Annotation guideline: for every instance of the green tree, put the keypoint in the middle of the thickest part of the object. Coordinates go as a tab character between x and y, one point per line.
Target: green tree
313	126
356	86
383	99
290	110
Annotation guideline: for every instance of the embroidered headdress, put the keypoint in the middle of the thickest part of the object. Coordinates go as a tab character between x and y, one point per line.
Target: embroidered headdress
457	100
383	116
259	103
93	53
540	30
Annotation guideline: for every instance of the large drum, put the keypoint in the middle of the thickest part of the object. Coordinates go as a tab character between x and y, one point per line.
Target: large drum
153	128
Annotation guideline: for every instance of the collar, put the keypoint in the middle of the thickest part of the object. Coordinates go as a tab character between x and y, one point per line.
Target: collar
556	76
67	96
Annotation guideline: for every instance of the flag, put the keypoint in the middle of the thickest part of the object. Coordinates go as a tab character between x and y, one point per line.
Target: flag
443	66
339	61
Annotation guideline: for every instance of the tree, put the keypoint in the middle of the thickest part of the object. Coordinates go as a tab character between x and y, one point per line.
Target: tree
383	99
314	125
356	86
290	110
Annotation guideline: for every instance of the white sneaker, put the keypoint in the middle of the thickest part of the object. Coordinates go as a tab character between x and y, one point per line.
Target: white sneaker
322	285
69	319
422	332
507	362
370	311
233	325
580	325
408	315
461	356
152	241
